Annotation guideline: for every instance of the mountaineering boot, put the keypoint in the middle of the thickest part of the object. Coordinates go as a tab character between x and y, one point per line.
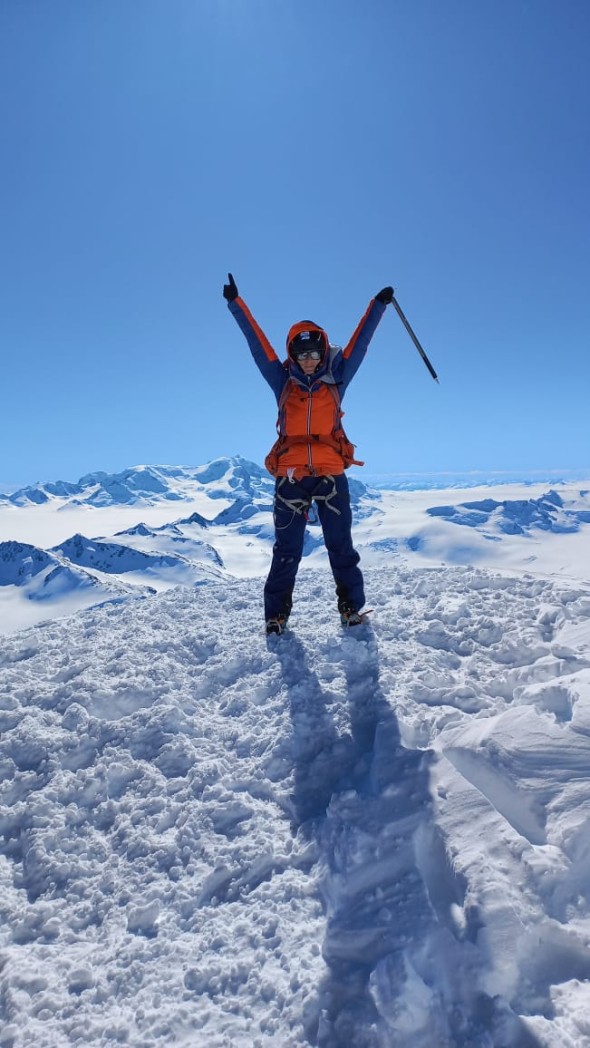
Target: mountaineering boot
277	625
349	616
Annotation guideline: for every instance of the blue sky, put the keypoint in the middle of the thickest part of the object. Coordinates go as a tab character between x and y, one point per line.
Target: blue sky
319	150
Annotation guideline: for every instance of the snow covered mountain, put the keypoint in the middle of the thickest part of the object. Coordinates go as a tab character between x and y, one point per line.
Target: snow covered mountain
44	576
226	478
521	516
36	584
120	559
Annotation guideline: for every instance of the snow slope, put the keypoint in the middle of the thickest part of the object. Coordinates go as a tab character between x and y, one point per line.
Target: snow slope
36	585
368	839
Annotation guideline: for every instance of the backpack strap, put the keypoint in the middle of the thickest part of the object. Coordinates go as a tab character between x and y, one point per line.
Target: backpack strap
344	445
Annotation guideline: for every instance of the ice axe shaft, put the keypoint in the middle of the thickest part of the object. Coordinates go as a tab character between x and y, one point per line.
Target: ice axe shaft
404	321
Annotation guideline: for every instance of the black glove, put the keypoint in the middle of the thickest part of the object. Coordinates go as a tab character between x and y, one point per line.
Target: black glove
385	296
230	290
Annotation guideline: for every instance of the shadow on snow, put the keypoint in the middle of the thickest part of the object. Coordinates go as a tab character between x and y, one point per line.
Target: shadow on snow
385	880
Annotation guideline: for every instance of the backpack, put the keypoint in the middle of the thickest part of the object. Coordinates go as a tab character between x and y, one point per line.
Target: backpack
337	439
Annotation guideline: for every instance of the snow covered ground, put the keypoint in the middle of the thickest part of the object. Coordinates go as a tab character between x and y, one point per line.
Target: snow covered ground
377	838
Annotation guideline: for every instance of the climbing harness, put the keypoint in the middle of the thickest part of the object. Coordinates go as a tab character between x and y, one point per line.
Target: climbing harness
303	504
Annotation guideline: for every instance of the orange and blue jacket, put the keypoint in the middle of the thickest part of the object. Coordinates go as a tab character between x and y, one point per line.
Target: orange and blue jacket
309	412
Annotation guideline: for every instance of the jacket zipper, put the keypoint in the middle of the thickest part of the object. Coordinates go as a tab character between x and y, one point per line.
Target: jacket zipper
309	457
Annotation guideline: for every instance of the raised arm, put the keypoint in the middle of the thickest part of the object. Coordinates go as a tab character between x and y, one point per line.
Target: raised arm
264	355
354	352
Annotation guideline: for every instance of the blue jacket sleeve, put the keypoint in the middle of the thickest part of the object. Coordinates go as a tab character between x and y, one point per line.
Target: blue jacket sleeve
354	353
264	355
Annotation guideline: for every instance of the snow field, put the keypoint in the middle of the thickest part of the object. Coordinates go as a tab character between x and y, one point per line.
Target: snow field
373	838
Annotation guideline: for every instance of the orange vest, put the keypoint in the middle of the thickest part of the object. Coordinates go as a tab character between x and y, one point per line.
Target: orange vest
311	442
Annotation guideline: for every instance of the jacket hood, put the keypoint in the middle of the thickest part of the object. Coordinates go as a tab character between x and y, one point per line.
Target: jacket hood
305	325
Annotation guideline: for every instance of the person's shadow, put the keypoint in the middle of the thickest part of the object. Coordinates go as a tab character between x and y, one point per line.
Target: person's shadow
321	758
385	880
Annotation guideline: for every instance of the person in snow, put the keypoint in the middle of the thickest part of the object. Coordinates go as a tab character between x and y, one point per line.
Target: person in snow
312	451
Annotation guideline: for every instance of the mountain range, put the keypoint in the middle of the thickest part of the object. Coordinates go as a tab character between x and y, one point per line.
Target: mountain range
221	478
231	532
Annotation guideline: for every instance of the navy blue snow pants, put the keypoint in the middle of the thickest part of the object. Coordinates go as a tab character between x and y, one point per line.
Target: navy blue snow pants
335	517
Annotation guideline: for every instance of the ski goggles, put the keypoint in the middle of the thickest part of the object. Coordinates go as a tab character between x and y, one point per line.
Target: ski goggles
307	354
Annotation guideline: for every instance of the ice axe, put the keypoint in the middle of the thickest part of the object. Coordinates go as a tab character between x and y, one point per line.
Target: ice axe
406	324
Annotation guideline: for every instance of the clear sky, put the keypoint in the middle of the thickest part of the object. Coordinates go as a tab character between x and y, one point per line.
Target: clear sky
319	150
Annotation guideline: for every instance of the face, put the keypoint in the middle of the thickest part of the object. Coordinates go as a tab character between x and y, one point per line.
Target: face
308	366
